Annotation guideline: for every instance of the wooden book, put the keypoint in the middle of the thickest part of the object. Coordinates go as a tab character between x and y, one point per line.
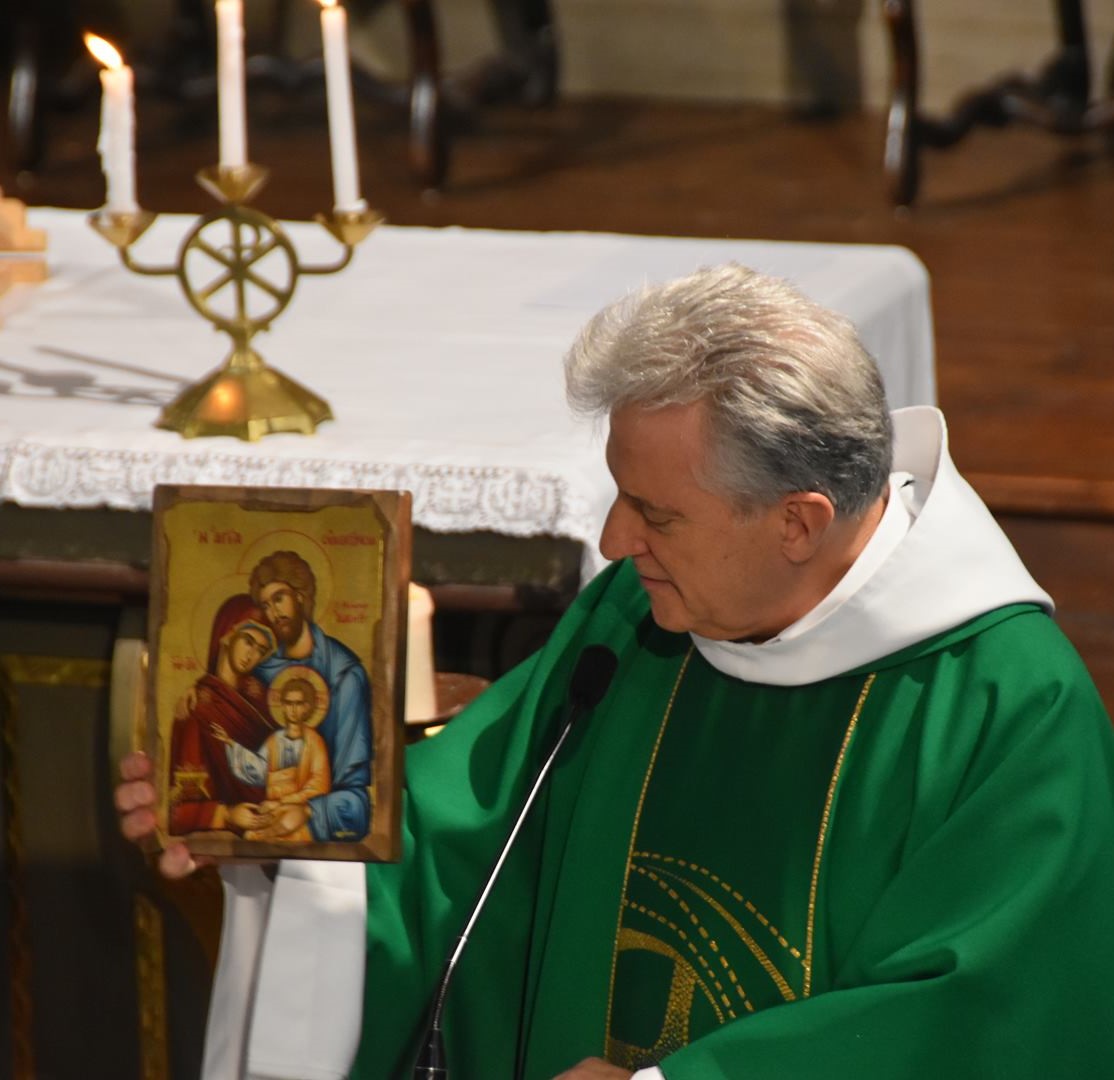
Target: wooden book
19	263
277	641
15	235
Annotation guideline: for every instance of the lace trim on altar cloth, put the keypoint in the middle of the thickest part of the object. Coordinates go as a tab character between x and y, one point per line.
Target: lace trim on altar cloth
447	498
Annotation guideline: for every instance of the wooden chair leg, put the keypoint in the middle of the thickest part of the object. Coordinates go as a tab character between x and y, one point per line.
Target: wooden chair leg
526	30
428	139
1073	76
902	151
23	75
1056	100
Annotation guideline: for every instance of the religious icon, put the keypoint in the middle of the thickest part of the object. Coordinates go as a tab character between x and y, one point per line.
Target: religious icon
276	686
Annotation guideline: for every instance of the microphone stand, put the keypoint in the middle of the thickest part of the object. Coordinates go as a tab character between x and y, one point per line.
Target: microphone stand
590	681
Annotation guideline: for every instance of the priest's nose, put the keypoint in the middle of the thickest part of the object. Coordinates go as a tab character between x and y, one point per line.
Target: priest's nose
623	532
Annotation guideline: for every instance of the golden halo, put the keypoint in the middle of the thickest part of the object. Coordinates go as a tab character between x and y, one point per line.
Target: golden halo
298	671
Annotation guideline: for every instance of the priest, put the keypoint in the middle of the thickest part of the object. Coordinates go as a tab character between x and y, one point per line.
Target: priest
846	811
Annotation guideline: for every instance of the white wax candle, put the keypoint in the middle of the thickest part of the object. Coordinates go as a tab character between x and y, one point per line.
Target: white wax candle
116	144
342	122
116	141
421	692
230	83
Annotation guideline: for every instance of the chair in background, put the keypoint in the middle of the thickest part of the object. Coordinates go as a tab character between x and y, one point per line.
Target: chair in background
1057	99
40	43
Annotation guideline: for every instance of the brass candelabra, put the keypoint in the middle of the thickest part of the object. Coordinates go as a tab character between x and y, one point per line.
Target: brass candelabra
238	269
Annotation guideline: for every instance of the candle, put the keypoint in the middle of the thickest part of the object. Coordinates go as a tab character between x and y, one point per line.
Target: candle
230	83
116	142
342	123
421	693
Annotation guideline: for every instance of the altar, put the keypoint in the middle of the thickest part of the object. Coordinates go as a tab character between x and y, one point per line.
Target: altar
439	351
440	354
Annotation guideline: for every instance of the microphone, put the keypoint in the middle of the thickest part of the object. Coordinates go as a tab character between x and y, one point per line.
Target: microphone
591	677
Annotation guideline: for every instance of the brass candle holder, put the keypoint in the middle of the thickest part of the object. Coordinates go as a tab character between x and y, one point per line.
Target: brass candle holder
243	397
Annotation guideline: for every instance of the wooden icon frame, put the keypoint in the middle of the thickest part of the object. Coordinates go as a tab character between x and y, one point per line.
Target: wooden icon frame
243	582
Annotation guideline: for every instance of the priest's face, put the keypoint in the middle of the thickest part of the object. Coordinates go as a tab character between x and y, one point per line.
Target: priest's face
284	610
706	566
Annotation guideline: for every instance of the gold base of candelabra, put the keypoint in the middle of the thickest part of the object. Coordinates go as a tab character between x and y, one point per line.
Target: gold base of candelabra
243	398
246	401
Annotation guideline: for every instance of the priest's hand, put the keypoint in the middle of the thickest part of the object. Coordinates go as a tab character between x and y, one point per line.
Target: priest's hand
135	801
595	1069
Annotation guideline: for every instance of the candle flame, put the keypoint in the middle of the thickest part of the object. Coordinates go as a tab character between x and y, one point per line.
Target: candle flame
104	51
327	3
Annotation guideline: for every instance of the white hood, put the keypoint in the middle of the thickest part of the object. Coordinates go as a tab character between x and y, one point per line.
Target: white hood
952	564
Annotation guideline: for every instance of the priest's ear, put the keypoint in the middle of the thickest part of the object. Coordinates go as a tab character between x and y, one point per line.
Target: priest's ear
806	518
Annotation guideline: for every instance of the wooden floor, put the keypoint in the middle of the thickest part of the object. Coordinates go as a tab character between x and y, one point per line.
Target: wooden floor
1015	227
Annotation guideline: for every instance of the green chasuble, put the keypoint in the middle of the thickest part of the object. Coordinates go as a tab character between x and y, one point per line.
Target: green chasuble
902	871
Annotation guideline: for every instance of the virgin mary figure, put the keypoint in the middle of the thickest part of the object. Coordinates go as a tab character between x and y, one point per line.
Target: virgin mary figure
204	790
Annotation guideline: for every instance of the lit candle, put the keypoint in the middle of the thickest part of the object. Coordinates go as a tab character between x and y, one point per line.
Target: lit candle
342	123
230	84
116	143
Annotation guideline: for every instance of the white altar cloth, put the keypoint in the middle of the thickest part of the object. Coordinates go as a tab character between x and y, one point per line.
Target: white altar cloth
439	351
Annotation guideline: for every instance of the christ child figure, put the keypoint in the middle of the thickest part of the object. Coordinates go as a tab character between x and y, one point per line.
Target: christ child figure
292	764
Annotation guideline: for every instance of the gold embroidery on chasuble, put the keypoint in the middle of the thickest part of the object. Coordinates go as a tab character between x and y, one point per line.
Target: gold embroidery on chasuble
693	949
